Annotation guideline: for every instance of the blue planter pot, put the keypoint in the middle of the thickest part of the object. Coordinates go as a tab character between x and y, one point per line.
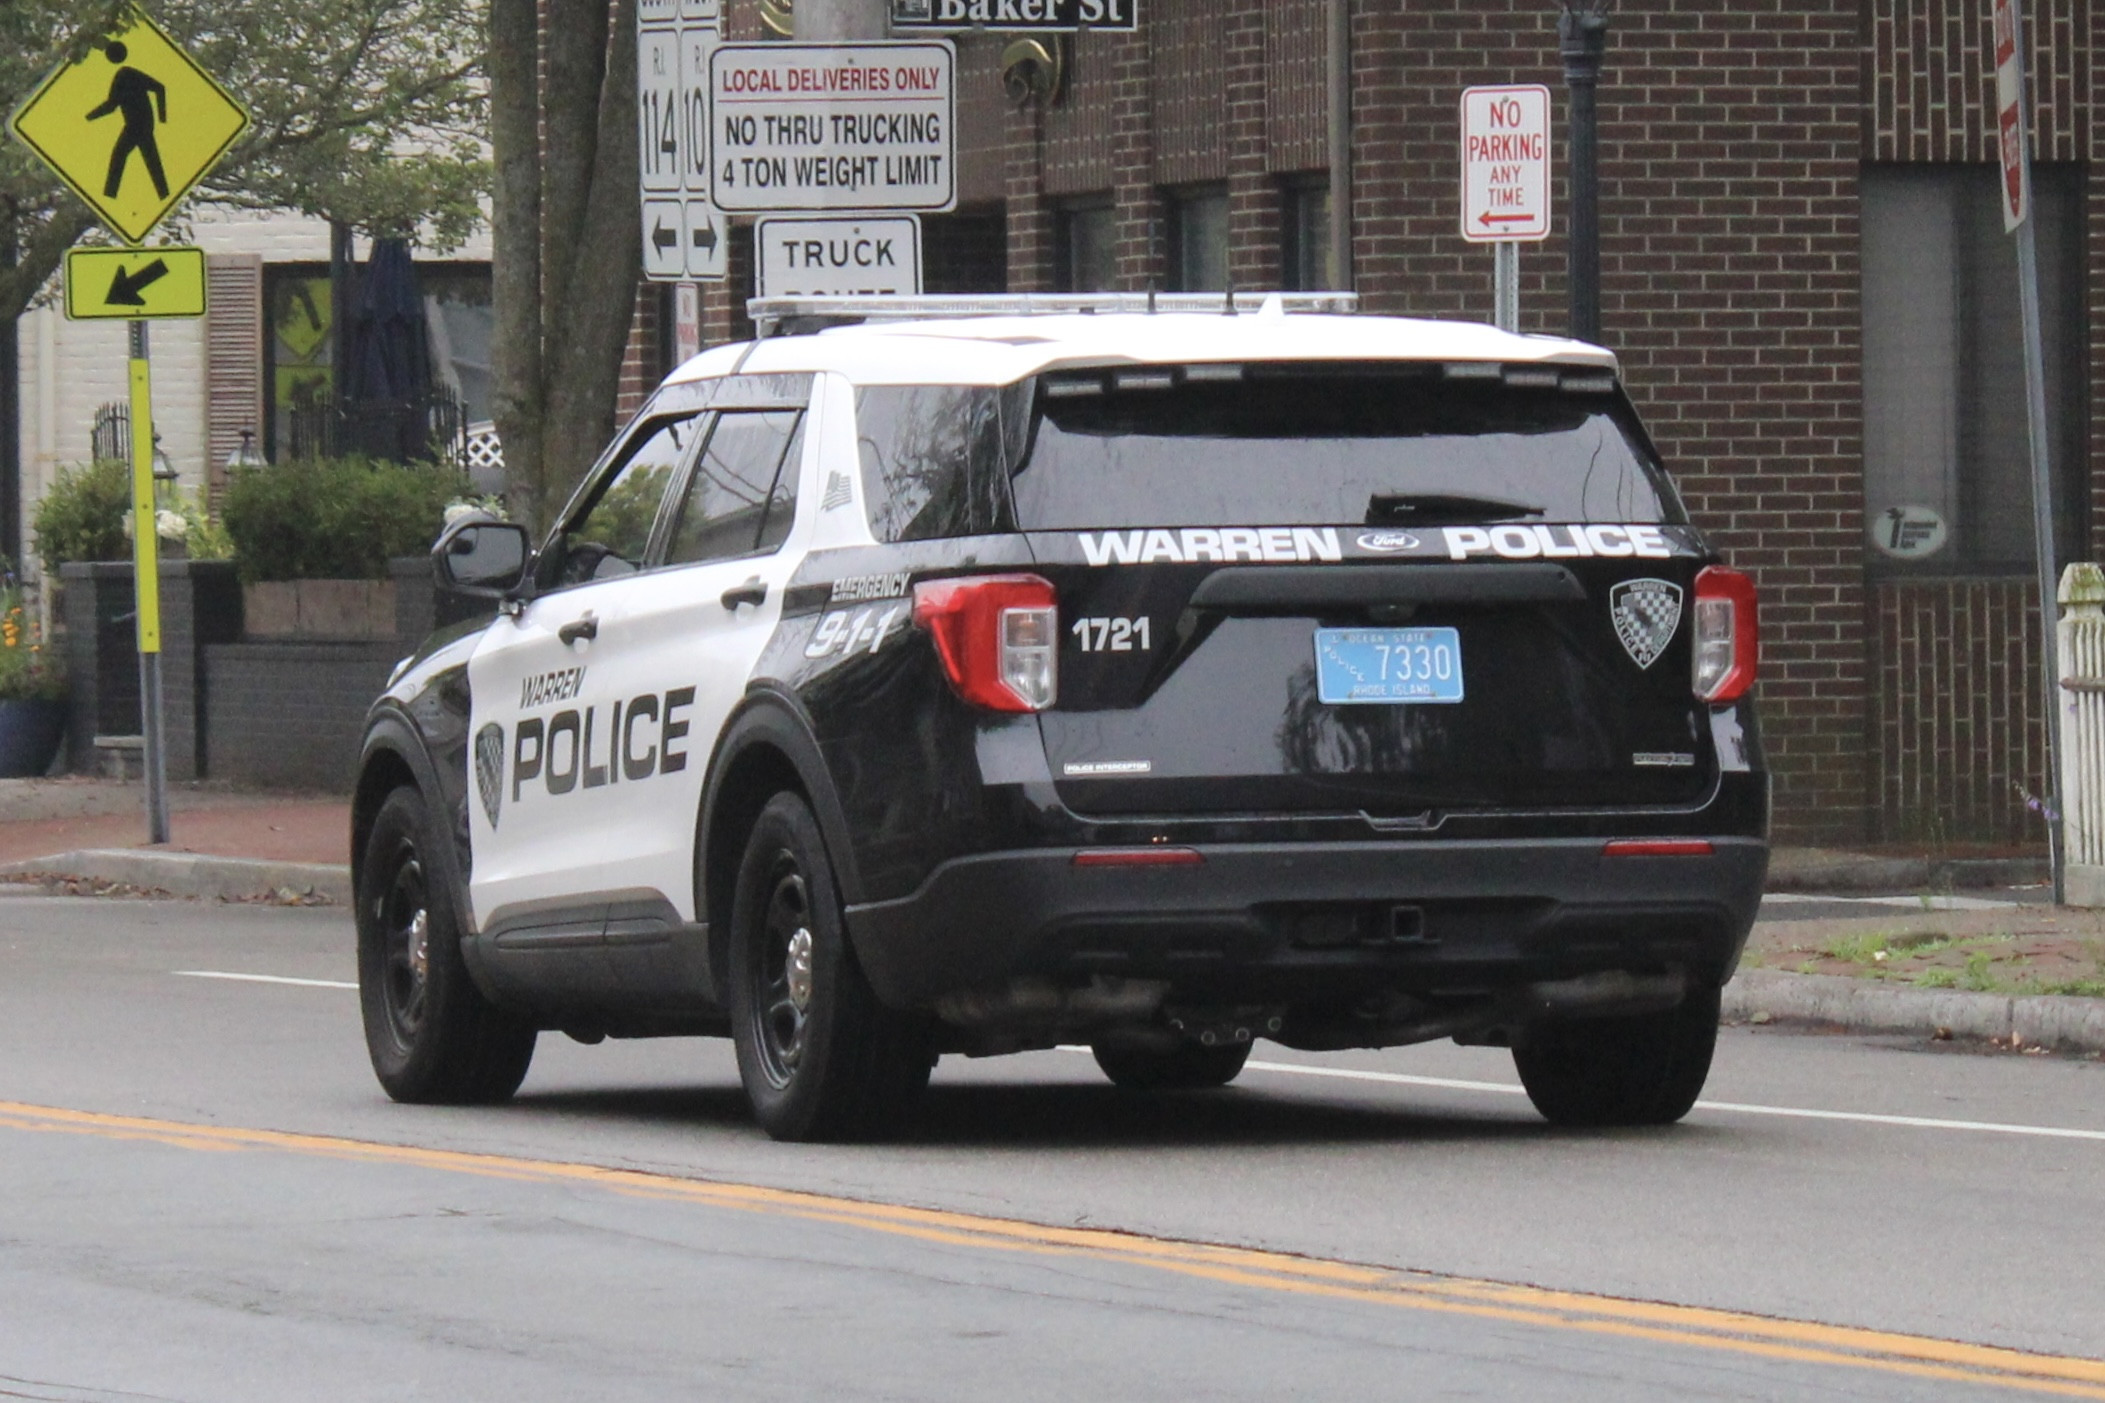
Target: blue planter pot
29	735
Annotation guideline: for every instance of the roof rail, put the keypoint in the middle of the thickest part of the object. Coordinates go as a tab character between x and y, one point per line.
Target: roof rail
788	316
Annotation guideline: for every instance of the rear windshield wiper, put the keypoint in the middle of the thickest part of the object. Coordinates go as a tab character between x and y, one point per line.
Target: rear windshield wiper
1428	508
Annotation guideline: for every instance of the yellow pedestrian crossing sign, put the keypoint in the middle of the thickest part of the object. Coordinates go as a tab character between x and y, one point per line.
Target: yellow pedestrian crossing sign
131	126
135	284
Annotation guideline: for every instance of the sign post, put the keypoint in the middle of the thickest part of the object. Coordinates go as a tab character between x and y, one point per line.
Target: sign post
1505	181
131	126
2014	146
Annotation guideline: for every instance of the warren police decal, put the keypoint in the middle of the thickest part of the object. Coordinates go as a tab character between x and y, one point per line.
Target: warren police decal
579	748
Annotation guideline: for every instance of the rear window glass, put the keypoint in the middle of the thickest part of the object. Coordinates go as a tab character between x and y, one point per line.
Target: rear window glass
934	458
1331	450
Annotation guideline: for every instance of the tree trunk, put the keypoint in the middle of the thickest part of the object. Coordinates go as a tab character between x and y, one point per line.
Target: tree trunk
565	234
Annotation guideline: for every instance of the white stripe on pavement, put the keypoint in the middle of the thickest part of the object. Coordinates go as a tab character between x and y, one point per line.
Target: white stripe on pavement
1500	1088
1913	903
264	978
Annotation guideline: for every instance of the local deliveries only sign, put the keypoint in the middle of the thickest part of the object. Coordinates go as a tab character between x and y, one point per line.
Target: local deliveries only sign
1506	163
862	127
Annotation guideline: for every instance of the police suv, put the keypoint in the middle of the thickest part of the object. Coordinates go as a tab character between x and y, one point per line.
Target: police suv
953	675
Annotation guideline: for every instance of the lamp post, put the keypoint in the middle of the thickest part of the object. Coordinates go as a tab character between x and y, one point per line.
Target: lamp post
1582	39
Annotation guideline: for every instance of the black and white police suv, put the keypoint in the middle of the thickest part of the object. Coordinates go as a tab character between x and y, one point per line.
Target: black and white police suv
976	675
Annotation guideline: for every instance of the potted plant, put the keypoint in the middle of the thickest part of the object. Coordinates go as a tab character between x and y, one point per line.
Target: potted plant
32	690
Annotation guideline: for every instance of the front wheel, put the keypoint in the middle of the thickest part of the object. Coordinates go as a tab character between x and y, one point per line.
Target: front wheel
820	1056
1644	1069
431	1034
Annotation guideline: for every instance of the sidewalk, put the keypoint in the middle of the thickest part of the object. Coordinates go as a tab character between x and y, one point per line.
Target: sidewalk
1945	966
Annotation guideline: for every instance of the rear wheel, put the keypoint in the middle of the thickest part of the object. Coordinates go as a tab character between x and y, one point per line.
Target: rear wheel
1646	1069
1189	1067
821	1057
431	1034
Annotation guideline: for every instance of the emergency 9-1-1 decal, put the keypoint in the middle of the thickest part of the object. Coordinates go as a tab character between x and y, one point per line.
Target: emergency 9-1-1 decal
850	630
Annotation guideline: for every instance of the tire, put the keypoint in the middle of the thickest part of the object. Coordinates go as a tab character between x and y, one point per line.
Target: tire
433	1037
1647	1069
1190	1068
820	1056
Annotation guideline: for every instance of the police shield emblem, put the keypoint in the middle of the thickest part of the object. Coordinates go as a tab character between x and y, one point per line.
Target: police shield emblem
1645	614
489	769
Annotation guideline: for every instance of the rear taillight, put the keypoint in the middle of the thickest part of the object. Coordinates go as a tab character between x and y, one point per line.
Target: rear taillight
998	637
1728	643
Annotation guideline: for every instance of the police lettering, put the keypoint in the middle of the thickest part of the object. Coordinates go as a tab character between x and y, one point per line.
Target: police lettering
1556	542
572	749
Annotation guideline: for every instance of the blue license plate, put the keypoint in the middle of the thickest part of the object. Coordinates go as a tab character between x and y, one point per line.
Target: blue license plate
1388	665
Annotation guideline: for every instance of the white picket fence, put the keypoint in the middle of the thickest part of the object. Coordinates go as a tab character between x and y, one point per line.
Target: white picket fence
2080	646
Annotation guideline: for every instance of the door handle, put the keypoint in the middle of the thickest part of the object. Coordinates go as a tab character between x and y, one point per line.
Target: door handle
586	628
753	592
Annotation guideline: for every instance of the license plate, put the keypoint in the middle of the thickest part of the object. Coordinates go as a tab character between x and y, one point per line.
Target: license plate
1388	665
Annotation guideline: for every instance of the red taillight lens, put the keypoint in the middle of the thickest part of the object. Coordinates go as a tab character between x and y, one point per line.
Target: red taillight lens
1139	857
1657	847
998	637
1728	640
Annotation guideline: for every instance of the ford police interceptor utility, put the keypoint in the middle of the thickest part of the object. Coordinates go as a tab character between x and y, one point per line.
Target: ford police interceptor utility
973	675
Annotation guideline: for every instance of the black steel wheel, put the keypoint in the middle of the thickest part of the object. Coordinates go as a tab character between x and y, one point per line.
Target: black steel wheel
1190	1067
820	1056
431	1034
1644	1069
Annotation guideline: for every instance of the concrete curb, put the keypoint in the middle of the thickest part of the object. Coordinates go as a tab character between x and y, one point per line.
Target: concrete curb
194	874
1820	870
2063	1022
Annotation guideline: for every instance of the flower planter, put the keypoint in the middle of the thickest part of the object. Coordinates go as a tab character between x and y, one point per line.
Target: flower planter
30	731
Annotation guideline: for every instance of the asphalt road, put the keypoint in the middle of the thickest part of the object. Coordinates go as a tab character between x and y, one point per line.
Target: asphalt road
208	1198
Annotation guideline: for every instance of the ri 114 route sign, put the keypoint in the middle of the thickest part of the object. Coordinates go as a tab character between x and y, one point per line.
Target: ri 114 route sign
130	126
1506	164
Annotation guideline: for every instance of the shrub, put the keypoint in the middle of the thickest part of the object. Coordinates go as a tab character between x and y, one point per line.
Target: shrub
334	518
82	514
28	670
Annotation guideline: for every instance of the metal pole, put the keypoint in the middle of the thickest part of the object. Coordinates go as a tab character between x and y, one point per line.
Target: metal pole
1582	38
842	21
2042	473
1505	286
1340	80
146	572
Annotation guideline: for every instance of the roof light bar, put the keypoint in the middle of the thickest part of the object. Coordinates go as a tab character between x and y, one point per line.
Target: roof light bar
776	316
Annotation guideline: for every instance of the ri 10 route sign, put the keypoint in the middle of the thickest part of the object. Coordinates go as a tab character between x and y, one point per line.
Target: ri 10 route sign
1506	164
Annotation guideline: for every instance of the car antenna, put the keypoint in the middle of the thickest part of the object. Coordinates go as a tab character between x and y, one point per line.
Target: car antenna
1228	300
1151	297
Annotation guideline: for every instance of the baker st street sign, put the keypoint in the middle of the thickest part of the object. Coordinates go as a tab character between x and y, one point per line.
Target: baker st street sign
1023	16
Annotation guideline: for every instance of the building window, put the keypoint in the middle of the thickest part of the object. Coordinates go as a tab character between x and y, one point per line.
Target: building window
1198	240
1087	247
1947	457
1304	238
299	346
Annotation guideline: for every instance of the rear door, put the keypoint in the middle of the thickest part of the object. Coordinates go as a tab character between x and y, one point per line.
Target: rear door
1381	589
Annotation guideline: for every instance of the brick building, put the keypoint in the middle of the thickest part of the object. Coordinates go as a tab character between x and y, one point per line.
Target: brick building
1803	272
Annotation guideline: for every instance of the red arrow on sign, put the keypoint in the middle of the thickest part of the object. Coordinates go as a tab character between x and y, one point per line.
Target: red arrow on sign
1487	219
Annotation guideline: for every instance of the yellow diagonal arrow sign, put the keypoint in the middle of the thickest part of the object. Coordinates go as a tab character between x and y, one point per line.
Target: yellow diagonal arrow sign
135	284
131	126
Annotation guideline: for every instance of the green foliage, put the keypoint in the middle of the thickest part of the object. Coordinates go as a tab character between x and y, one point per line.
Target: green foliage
81	516
334	518
28	670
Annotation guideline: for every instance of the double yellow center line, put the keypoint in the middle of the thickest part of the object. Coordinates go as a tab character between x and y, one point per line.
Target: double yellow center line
1785	1340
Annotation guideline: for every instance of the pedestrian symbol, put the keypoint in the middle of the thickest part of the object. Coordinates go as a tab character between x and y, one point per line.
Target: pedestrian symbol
131	126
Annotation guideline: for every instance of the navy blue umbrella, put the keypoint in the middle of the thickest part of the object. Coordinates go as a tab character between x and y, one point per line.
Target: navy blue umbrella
387	382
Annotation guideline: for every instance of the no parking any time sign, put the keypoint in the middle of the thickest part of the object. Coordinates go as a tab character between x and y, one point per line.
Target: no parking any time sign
1506	164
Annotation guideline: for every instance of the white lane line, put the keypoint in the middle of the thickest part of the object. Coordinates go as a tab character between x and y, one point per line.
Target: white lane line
1915	903
1734	1107
264	978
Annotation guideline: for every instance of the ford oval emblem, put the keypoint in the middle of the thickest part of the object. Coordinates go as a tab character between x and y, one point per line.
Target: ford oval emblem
1387	542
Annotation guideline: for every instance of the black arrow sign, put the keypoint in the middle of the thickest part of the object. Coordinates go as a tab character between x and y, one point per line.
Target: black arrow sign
125	287
664	239
705	238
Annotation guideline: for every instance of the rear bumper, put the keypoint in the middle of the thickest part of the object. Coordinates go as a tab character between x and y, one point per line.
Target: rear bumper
1289	922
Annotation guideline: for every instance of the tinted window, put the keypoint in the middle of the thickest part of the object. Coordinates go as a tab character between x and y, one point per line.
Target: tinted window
1332	450
611	536
933	463
743	494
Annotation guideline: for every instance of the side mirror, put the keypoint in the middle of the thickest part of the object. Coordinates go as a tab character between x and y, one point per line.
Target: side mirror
483	559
